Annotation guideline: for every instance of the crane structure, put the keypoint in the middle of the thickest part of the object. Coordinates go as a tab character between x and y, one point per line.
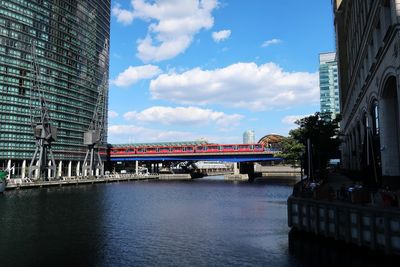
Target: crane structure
93	138
45	133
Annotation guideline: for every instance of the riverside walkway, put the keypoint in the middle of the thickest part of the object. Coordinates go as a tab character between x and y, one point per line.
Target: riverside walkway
67	181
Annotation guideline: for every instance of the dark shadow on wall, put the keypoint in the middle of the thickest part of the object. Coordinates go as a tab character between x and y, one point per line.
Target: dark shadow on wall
310	250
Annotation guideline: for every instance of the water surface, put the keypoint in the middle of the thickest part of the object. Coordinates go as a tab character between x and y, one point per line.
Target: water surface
194	223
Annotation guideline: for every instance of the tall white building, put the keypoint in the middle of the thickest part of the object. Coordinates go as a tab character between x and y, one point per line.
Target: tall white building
249	137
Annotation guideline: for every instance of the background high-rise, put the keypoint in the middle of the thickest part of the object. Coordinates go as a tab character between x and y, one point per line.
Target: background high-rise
249	137
328	84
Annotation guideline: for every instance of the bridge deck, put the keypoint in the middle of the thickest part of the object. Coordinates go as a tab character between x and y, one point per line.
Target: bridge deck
209	156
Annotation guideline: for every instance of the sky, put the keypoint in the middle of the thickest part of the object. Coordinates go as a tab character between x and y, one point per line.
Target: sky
182	70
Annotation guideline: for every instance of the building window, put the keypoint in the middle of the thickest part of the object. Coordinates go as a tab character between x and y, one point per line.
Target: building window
375	118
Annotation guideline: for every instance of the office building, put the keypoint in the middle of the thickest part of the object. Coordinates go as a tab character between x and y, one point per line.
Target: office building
71	44
249	137
368	49
328	84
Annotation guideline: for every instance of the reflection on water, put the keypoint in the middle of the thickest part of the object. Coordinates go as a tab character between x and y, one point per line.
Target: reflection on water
199	223
309	250
193	223
48	226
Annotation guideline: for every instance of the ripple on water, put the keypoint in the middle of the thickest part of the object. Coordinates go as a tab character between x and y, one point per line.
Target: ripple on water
199	223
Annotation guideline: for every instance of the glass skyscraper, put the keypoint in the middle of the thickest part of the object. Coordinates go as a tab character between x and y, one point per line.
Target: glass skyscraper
328	84
249	137
71	40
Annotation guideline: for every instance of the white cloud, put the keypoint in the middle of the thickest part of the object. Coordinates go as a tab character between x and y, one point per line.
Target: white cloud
184	116
291	119
271	42
132	75
124	16
112	114
221	35
138	134
241	85
173	24
118	134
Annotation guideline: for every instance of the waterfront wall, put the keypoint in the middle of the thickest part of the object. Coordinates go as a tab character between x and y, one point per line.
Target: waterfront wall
373	227
176	176
79	180
236	177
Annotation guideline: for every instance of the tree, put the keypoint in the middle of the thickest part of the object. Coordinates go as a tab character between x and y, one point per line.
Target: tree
323	134
291	150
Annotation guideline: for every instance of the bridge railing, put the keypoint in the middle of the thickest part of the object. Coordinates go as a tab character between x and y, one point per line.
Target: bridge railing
194	149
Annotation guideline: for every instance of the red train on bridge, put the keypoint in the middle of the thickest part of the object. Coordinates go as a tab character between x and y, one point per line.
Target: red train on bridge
188	149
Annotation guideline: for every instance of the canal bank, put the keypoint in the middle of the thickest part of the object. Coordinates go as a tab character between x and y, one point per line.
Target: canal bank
18	183
342	210
13	184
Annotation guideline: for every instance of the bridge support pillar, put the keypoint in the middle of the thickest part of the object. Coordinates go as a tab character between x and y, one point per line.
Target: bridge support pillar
248	168
152	170
136	167
235	168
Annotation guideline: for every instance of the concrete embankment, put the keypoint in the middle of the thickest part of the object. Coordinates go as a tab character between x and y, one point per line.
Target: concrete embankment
177	176
279	170
278	174
26	183
372	227
353	218
236	177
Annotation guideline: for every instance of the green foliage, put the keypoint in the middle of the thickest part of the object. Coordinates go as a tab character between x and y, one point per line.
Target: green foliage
323	134
3	176
291	150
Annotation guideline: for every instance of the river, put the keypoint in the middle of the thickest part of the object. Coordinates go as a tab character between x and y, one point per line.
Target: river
203	222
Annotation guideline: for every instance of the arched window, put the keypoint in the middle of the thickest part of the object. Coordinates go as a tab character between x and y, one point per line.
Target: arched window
375	118
389	134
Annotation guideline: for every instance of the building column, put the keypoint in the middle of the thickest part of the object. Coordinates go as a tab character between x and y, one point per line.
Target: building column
9	168
59	172
23	169
78	167
70	169
36	175
49	170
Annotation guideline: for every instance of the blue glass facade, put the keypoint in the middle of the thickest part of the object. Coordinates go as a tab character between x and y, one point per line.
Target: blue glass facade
328	83
72	45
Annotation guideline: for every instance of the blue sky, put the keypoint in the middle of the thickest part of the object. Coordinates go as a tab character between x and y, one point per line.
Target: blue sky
188	69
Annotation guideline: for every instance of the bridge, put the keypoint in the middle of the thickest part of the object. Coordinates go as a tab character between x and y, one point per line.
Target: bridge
164	157
193	151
